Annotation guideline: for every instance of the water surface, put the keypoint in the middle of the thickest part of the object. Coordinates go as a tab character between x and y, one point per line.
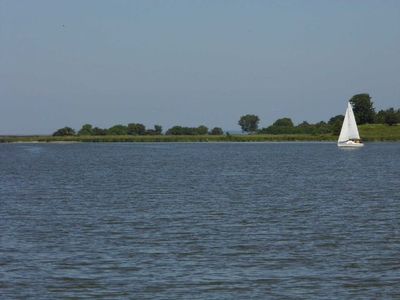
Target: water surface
199	221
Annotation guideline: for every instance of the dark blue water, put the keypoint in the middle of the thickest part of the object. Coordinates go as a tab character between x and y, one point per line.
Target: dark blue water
199	221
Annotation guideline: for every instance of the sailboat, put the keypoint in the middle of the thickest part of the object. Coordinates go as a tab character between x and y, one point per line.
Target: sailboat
349	136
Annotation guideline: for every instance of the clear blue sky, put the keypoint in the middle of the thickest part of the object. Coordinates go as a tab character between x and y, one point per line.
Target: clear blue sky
69	62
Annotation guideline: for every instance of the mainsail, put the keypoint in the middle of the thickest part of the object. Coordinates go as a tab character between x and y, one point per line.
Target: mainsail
349	127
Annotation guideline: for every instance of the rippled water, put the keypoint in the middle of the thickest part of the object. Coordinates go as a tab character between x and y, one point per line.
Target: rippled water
199	221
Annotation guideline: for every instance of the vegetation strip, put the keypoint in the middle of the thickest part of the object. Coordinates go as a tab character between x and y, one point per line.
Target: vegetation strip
369	132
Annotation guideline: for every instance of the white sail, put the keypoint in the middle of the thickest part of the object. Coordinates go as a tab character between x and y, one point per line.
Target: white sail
349	127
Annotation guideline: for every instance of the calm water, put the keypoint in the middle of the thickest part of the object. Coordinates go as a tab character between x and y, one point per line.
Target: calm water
199	221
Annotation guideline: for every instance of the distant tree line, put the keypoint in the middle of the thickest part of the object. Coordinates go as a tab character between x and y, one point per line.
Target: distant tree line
130	129
364	112
249	124
137	129
201	130
363	108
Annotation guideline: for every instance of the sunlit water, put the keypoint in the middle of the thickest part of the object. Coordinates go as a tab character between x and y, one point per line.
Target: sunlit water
199	221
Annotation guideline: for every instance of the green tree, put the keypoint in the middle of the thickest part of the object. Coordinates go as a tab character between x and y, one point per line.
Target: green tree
64	131
249	123
86	129
158	129
175	130
304	124
380	117
336	126
118	130
305	128
333	126
216	131
284	122
201	130
136	129
281	126
99	131
336	118
363	108
391	117
179	130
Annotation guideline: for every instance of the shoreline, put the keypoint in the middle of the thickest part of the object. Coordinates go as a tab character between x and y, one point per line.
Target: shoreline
166	139
184	139
368	133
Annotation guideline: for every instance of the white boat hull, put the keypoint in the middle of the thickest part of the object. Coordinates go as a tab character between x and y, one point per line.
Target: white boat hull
350	144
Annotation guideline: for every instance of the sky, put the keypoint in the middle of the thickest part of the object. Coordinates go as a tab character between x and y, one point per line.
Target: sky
179	62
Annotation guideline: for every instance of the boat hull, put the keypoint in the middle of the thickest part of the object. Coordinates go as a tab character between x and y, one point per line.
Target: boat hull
350	144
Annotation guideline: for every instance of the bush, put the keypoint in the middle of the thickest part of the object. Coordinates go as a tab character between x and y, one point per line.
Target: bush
99	131
284	122
118	130
217	131
64	132
179	130
86	129
391	117
136	129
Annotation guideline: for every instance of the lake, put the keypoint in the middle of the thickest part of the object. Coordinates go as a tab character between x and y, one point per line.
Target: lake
199	221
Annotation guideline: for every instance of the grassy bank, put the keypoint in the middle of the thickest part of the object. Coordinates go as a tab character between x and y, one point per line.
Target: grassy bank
375	132
380	132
